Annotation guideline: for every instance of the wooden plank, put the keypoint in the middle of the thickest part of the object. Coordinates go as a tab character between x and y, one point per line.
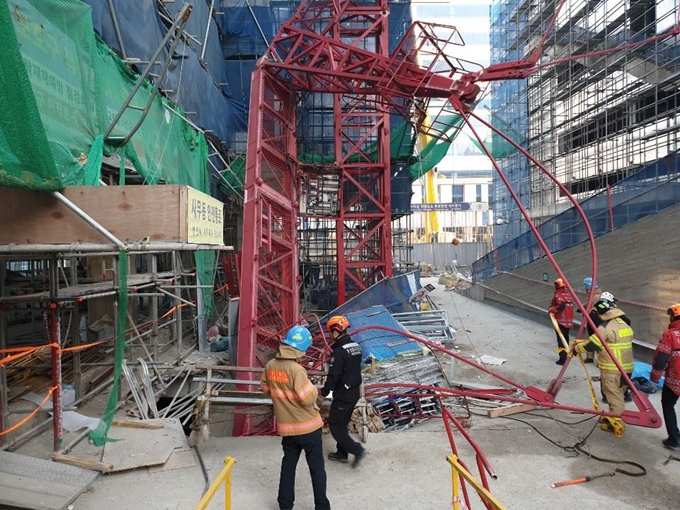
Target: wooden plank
509	410
81	462
137	424
131	213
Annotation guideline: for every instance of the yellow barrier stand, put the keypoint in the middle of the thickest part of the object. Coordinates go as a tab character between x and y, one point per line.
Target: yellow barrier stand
224	476
456	470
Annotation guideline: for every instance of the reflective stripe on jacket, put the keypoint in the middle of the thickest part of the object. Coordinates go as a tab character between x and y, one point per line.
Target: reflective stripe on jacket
344	370
619	337
293	394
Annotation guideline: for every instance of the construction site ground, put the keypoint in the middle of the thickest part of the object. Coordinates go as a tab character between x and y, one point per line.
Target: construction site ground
407	469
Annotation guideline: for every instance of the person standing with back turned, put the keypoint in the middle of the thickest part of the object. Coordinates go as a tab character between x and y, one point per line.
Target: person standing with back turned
667	362
344	380
562	308
297	417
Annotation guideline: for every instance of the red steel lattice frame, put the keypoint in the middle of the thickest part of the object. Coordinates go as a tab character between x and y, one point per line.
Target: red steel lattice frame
341	48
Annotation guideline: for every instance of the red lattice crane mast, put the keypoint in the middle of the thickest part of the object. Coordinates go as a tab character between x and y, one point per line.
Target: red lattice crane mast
341	48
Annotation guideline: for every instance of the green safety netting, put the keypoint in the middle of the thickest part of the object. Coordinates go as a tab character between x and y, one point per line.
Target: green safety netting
60	87
78	85
99	435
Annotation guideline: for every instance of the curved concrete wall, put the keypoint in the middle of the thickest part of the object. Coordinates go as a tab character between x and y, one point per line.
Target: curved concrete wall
639	264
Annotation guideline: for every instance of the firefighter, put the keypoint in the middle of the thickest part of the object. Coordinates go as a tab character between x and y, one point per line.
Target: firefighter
297	417
595	289
562	308
344	380
628	395
619	337
666	362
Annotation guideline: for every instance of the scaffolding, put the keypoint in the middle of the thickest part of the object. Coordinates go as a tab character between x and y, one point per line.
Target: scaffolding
592	121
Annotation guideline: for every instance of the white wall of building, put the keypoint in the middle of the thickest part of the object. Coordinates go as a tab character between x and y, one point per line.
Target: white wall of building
464	165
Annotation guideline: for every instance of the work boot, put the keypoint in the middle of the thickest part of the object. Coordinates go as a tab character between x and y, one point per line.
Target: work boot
358	458
628	396
589	360
335	456
672	443
607	423
604	399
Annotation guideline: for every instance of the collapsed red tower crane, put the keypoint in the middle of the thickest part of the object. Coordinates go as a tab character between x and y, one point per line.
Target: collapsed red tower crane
341	48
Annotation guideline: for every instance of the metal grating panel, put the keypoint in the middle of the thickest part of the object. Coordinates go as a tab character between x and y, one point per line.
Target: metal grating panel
27	482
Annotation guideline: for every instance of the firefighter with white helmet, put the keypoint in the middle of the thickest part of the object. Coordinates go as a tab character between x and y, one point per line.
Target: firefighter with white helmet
667	363
619	337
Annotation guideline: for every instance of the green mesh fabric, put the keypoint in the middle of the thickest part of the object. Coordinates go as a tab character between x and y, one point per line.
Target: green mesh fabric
25	157
99	435
61	86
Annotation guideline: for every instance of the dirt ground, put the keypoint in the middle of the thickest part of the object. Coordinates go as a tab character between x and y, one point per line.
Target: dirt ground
407	469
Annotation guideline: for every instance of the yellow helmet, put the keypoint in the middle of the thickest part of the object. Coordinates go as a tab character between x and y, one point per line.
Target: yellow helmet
559	283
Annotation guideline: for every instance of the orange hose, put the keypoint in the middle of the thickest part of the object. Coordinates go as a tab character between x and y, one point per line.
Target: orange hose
570	482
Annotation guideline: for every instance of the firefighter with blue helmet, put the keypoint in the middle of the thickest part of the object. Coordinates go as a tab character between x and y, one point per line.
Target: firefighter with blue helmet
297	417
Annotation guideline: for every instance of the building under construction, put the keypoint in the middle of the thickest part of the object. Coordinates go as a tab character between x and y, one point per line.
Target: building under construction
183	182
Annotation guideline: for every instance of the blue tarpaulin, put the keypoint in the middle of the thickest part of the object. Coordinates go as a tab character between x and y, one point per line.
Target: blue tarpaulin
379	344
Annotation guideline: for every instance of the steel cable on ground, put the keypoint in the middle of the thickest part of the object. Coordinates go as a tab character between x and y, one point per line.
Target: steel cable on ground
579	447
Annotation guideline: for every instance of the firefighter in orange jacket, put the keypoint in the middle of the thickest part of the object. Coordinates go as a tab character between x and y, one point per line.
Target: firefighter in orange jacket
297	417
667	362
562	308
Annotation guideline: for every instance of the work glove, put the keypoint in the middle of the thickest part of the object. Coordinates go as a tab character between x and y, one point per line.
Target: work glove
578	346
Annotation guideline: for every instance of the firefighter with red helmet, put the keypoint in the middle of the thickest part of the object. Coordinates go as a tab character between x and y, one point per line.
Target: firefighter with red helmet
344	380
667	363
562	308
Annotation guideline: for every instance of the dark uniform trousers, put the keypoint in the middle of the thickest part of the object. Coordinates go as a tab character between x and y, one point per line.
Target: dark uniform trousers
338	419
313	447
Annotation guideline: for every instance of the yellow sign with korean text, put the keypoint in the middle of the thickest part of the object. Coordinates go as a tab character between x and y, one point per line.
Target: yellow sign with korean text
205	218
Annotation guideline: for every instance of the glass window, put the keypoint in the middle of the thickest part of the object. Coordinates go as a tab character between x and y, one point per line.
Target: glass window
457	193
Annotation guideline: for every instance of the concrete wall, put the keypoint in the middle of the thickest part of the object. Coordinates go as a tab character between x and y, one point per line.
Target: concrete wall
441	254
639	264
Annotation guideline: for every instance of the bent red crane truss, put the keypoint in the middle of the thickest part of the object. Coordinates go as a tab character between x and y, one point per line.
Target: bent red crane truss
341	48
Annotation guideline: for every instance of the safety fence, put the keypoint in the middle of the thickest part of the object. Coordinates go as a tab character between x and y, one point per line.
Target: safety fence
224	478
458	472
649	191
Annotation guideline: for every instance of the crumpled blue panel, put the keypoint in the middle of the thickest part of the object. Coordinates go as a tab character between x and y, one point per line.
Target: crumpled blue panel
379	344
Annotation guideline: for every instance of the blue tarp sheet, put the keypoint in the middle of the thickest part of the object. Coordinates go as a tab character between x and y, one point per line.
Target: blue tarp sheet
214	91
376	343
202	88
